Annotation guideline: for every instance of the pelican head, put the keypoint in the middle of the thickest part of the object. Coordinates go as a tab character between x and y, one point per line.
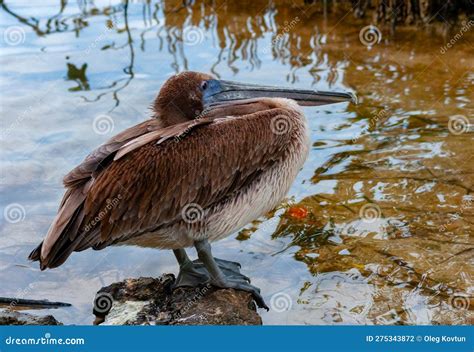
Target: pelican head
185	96
181	98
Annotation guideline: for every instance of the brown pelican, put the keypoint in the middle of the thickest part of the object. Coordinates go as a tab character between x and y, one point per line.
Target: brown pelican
215	156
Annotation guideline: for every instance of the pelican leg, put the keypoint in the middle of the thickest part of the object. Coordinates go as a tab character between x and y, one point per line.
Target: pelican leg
181	256
228	267
220	279
189	274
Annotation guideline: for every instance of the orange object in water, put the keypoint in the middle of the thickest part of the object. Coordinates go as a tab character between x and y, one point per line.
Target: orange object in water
298	212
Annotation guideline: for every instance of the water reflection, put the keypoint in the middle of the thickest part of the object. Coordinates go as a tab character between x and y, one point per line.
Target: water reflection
378	226
300	36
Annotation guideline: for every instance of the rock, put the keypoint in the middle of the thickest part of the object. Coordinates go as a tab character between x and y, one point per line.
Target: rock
10	317
150	301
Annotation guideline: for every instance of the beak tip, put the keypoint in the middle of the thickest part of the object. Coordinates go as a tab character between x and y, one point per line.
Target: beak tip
354	99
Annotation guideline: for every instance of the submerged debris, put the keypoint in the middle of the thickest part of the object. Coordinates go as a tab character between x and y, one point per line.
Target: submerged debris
31	303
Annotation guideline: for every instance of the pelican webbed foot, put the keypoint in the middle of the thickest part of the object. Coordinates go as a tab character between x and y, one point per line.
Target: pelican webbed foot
191	276
225	274
194	273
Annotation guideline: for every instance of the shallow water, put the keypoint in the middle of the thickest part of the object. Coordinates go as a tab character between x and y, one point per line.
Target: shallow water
377	228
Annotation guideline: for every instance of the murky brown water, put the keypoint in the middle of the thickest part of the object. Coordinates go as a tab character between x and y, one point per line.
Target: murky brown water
378	227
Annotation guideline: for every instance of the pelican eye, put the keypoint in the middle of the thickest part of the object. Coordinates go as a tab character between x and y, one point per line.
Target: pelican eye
204	85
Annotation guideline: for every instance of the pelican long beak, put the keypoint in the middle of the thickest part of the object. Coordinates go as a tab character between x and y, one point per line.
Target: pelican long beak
219	92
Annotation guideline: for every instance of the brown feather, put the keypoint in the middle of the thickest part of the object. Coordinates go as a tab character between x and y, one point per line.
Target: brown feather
78	182
202	168
141	179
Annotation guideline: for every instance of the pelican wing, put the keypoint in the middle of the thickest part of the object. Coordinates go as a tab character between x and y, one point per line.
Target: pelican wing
78	182
155	176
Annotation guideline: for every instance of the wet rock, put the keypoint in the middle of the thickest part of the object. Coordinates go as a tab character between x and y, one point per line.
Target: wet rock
9	317
150	301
